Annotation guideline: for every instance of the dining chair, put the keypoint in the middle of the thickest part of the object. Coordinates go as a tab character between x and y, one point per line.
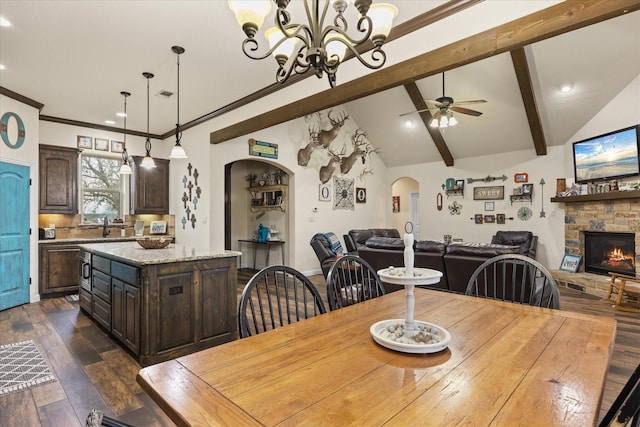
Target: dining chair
625	410
276	296
515	278
352	280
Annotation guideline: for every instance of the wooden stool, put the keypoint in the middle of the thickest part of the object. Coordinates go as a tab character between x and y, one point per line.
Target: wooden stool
623	284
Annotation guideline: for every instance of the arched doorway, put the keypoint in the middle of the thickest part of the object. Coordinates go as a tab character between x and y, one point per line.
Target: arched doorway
245	210
406	191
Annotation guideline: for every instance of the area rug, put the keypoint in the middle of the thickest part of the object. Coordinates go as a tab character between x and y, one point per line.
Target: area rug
21	367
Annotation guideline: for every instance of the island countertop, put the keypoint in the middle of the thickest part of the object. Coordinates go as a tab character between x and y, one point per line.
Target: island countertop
131	252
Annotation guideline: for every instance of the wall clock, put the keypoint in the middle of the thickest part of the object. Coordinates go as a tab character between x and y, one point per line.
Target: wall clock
524	213
344	193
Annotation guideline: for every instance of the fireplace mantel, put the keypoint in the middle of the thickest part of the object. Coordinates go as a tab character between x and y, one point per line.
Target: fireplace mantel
611	195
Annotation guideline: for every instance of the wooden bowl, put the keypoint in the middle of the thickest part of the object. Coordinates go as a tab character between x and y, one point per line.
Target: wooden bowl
154	242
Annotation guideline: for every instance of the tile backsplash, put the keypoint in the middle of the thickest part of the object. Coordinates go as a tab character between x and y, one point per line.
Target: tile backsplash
70	227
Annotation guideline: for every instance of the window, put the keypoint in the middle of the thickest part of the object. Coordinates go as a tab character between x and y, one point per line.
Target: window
101	189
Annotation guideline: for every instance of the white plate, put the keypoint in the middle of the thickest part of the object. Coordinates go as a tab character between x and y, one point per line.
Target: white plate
378	332
421	276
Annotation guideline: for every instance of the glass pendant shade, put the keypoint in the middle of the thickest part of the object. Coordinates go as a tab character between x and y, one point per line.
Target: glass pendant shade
125	169
382	15
273	36
177	152
148	162
250	12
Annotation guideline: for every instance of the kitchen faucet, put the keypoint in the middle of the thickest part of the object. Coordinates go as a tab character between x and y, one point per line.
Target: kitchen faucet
105	232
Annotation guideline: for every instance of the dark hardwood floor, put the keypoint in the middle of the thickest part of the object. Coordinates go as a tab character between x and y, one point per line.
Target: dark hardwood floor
93	371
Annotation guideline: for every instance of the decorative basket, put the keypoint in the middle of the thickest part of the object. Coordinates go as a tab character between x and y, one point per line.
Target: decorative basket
154	242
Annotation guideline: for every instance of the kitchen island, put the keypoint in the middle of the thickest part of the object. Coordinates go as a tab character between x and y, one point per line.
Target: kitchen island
160	303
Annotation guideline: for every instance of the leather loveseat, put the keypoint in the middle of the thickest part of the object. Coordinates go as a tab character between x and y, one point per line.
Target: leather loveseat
457	261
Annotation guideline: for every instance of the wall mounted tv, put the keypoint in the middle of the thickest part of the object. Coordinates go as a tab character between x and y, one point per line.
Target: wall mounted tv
612	155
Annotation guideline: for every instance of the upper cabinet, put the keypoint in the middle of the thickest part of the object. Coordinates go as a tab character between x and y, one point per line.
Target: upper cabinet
58	179
149	188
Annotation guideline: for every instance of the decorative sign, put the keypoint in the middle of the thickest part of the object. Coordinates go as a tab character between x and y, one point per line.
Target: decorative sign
4	127
361	195
263	149
521	177
344	193
488	193
324	193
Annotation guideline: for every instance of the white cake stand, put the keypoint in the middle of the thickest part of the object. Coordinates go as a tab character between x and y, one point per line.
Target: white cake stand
409	277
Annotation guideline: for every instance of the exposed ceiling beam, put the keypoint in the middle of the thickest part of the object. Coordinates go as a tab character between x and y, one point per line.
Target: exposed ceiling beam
558	19
438	140
521	67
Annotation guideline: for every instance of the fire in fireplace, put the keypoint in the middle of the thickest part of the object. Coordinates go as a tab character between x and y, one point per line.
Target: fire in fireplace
609	252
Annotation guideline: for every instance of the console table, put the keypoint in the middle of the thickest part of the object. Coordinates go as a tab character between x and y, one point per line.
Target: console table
263	245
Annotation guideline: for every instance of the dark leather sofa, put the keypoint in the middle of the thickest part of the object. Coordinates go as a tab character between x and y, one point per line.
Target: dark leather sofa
457	261
357	239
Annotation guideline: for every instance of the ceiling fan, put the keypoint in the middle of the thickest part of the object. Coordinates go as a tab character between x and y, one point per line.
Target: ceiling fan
443	106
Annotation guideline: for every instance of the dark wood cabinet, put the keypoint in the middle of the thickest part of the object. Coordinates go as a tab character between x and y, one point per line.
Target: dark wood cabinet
58	269
58	179
149	188
163	311
125	305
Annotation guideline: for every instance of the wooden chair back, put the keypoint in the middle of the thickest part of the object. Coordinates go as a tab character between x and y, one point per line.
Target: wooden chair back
352	280
276	296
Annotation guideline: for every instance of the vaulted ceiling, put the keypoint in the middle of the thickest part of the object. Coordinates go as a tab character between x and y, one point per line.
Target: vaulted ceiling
76	57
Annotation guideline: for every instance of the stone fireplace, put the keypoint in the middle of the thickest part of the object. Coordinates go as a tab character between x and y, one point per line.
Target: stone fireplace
618	215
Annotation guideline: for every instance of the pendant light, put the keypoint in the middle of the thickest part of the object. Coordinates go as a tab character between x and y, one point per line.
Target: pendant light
125	169
148	162
177	152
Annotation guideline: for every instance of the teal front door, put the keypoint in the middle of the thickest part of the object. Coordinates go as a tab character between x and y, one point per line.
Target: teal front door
14	235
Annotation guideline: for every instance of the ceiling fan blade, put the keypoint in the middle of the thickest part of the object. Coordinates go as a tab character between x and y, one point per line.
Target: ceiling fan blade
475	101
419	111
463	110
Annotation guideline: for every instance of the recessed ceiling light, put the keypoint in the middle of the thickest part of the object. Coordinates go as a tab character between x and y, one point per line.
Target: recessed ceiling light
121	114
2	67
409	123
4	22
566	88
110	122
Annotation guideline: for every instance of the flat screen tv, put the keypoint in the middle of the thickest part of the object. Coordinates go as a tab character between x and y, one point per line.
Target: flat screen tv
612	155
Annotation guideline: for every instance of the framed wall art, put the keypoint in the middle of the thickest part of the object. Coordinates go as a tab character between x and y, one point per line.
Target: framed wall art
101	144
324	192
489	219
500	218
478	218
395	203
489	206
488	193
521	177
344	194
570	263
117	146
85	142
158	227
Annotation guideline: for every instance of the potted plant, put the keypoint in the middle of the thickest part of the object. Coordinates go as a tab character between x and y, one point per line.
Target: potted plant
279	175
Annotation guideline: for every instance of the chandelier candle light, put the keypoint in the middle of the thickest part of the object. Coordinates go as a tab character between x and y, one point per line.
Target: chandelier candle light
177	152
299	47
148	162
125	169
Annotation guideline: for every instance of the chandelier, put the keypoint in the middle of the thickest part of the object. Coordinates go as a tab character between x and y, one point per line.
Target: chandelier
300	47
177	152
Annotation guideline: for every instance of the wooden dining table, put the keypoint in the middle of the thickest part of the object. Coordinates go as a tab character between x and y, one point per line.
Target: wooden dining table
505	365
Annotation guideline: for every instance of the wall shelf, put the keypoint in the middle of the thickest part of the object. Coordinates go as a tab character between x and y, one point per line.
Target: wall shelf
611	195
459	192
268	197
521	198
